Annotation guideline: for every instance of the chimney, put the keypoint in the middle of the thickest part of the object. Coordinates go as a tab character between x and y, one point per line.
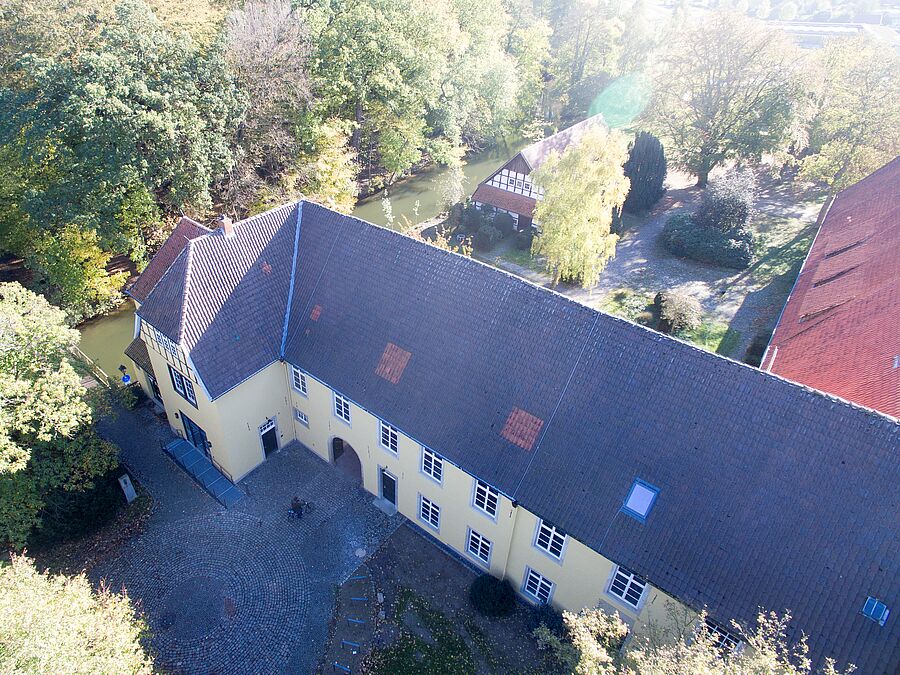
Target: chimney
226	225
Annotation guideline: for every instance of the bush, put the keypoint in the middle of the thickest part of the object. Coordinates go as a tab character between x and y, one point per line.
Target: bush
486	237
545	615
757	349
69	514
727	203
492	597
471	219
505	223
646	169
524	239
682	236
677	311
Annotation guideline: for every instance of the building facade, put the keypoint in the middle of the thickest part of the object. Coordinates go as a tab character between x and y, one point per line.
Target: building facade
510	188
587	460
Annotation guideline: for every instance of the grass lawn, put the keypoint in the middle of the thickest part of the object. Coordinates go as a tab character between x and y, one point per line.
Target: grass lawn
713	336
782	244
428	643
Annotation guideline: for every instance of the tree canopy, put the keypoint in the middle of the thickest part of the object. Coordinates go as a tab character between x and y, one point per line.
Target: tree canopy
57	624
727	88
582	188
46	438
856	127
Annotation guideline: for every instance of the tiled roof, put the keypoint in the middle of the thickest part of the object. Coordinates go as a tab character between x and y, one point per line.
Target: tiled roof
840	329
184	231
224	298
771	494
137	352
503	199
537	153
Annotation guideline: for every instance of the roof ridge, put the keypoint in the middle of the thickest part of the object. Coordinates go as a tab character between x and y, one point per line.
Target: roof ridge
189	253
290	297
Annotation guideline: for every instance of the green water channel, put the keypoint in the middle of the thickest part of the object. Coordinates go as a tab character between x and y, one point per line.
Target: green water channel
104	339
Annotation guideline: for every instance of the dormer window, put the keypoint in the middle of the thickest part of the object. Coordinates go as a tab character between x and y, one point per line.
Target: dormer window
640	500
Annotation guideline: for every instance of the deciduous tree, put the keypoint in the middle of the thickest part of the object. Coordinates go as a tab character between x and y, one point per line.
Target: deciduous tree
58	624
46	438
726	88
857	125
582	187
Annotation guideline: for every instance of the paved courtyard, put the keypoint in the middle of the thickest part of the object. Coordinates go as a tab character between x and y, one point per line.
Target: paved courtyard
247	589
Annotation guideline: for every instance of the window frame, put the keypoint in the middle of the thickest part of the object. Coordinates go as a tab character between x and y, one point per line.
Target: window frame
186	389
299	375
489	491
301	417
637	515
480	544
723	638
554	532
344	401
393	435
433	510
633	579
540	578
437	465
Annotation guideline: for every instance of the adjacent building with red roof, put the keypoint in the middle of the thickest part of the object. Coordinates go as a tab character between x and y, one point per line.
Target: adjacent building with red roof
510	188
840	329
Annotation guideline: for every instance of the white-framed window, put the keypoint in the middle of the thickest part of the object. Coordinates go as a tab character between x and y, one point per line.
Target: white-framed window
429	512
486	498
389	437
550	539
627	586
183	386
432	464
341	408
298	379
723	638
479	546
166	344
301	417
537	586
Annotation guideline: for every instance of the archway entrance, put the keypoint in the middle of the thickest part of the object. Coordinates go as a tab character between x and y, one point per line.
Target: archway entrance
345	458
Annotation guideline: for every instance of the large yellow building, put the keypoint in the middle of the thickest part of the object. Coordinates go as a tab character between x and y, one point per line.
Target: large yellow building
586	459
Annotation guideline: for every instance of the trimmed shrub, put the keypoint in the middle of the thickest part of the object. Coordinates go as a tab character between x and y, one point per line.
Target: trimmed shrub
682	236
492	597
727	203
486	237
677	311
505	223
646	169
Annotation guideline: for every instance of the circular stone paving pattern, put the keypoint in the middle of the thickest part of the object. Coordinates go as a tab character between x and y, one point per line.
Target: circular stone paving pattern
216	590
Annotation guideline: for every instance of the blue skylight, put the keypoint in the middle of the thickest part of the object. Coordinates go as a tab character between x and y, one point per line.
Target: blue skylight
640	500
876	610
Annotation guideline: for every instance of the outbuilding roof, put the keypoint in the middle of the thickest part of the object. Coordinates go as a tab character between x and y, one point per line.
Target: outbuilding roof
771	494
840	329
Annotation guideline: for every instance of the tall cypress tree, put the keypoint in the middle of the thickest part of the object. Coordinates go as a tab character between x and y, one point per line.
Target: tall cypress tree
646	169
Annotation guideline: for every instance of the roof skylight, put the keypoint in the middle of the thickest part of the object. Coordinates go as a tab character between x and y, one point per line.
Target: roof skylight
640	500
876	610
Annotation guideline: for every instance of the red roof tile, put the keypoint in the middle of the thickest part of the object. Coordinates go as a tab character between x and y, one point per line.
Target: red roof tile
509	201
393	362
839	330
522	428
185	230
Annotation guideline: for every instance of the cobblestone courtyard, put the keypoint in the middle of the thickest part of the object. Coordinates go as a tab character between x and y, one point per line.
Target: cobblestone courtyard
247	589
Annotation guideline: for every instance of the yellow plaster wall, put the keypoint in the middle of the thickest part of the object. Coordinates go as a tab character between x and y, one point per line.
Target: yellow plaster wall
232	422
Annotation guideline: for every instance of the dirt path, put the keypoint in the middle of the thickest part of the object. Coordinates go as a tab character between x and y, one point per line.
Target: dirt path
748	301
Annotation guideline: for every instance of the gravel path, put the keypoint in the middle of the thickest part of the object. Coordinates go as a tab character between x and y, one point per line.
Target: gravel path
748	301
